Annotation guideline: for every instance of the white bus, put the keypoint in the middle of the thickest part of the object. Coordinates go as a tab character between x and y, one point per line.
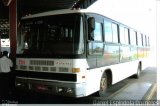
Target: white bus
76	53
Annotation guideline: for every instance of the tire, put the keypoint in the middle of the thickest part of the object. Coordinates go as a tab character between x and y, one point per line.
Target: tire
103	85
139	69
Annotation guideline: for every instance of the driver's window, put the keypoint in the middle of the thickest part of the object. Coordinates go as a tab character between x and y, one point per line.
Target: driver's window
98	32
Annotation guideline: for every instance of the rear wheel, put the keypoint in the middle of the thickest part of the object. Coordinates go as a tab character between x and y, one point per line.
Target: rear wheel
139	69
103	85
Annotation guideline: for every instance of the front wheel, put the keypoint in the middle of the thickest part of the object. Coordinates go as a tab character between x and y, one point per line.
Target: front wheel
103	85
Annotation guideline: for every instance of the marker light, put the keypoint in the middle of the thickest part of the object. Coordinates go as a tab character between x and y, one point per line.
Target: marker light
75	70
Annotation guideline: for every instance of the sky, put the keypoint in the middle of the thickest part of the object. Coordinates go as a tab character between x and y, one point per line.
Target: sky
143	15
138	14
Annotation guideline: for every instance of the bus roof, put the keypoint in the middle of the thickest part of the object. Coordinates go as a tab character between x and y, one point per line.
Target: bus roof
69	11
56	12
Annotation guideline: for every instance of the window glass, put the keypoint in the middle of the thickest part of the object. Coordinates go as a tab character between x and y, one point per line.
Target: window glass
126	36
95	48
98	32
52	35
122	38
139	39
108	31
132	37
115	33
144	40
133	53
111	54
148	42
124	53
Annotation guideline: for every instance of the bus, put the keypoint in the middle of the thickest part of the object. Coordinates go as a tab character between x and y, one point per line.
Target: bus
76	53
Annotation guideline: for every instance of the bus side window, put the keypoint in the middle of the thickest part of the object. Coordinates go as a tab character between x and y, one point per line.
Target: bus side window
139	39
108	31
115	33
133	37
126	36
148	42
96	46
122	37
98	32
144	41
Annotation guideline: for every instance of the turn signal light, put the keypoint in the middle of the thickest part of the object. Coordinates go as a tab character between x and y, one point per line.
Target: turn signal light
75	70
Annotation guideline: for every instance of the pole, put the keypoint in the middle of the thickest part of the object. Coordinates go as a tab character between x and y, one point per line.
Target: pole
13	27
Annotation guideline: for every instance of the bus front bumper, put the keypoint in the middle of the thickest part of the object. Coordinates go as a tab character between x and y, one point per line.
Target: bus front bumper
70	89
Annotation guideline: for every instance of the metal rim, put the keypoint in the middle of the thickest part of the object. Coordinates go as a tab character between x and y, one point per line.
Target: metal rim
103	85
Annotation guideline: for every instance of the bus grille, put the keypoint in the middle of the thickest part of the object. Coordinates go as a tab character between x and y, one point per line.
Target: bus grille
41	62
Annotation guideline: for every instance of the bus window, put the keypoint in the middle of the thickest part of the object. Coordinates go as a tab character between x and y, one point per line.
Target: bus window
133	37
98	32
111	54
108	31
126	35
148	42
96	48
139	39
115	33
144	41
48	35
122	38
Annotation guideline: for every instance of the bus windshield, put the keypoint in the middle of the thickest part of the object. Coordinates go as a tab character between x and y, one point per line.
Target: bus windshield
57	34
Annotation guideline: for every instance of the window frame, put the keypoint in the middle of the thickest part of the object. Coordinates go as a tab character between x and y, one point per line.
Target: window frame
113	36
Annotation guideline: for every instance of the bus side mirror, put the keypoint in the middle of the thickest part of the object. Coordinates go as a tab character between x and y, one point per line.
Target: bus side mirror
91	27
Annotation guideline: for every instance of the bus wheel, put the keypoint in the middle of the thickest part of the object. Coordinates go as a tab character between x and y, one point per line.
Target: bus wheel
138	71
103	85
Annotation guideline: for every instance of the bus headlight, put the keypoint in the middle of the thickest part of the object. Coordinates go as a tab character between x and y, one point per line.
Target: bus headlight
69	91
64	90
60	89
18	84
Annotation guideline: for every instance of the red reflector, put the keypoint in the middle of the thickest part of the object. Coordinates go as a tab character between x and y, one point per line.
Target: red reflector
42	88
22	62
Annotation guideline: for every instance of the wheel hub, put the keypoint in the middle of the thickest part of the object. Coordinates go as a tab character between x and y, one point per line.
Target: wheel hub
103	84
